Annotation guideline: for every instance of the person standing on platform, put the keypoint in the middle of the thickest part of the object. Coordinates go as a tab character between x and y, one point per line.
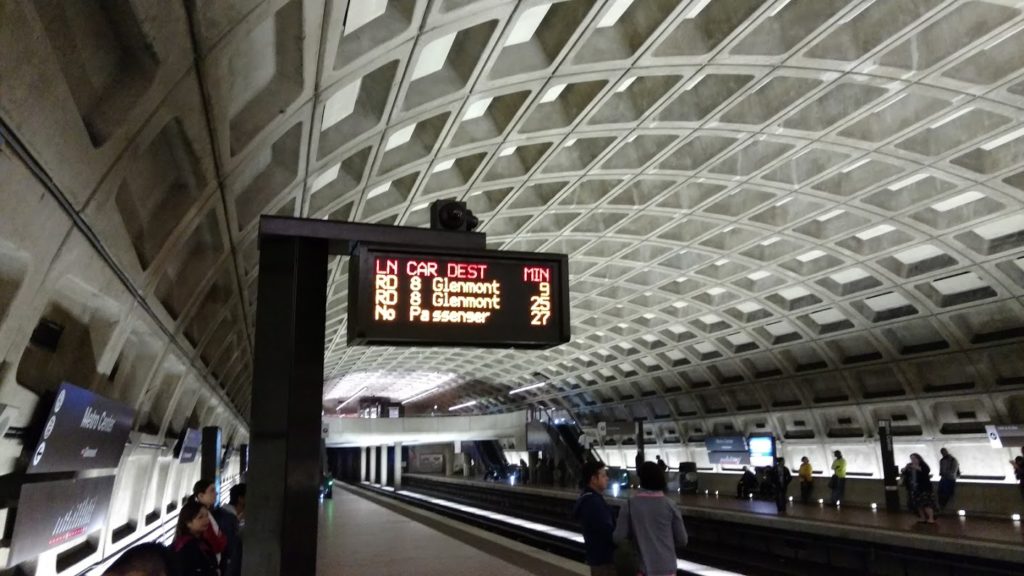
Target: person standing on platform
205	493
595	517
653	523
923	496
838	481
1018	472
806	474
196	556
661	464
908	478
230	517
780	477
524	472
949	471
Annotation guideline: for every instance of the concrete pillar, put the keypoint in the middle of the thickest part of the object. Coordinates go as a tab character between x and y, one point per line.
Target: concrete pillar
398	465
363	464
373	464
287	401
209	463
384	465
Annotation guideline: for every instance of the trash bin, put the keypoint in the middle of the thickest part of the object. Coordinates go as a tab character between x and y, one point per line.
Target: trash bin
688	477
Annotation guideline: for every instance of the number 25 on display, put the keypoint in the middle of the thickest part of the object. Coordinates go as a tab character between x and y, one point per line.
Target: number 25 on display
540	305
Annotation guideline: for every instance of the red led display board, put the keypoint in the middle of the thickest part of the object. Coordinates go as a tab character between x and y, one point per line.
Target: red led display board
442	298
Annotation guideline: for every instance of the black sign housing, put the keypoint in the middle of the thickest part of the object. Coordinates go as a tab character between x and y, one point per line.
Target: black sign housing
83	431
400	296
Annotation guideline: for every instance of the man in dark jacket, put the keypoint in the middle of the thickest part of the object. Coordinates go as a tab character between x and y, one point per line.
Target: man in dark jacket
595	517
780	478
230	519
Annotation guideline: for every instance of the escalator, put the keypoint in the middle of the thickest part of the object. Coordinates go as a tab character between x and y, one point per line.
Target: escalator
492	457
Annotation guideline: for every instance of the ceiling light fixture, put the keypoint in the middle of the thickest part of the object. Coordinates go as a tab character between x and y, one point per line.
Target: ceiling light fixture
525	388
352	397
415	397
463	405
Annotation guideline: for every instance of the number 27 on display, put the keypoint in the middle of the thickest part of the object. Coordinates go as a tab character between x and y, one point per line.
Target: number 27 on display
540	305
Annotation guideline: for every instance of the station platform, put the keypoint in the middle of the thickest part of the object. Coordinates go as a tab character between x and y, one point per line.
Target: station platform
806	533
360	533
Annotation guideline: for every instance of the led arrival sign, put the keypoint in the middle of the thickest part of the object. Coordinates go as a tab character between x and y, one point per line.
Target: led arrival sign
489	298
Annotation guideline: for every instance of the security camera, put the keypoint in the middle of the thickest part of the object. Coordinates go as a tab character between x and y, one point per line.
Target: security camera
450	214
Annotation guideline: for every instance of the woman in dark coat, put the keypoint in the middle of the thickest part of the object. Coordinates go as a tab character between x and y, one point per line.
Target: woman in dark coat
922	493
193	550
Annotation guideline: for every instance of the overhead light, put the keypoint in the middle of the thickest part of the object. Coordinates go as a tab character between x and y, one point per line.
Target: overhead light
778	8
525	388
1004	139
697	8
420	395
961	513
353	397
463	405
614	13
855	165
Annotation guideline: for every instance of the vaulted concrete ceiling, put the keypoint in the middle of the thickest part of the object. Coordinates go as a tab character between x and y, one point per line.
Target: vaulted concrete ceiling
771	207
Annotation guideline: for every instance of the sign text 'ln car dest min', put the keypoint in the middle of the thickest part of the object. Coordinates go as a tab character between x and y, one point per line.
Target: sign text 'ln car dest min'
447	298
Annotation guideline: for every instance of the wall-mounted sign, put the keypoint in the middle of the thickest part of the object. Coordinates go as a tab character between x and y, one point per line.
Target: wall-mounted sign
727	450
82	431
479	299
1005	436
54	513
190	445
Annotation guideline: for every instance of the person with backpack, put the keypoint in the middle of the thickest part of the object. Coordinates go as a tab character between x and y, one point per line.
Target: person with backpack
650	525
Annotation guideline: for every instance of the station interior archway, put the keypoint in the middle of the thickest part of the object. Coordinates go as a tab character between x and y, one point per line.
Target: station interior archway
797	217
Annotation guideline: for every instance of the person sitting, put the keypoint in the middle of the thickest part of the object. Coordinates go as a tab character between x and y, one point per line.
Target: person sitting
149	559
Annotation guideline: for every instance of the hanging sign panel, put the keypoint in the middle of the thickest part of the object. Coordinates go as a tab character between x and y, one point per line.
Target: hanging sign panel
83	431
191	441
443	298
54	513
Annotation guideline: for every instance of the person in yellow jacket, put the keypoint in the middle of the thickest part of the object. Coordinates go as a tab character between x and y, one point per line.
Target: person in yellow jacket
806	474
838	481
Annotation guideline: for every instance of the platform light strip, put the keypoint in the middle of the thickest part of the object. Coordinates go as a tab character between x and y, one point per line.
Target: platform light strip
685	565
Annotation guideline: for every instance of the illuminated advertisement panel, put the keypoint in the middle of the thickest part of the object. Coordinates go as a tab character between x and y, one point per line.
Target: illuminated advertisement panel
446	298
51	514
762	450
